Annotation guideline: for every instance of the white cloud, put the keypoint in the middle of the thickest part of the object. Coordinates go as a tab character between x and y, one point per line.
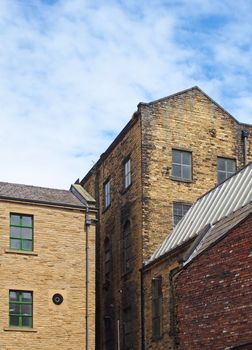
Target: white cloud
72	73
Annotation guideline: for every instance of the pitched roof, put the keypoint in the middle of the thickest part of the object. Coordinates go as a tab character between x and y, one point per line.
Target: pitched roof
135	116
217	232
42	195
216	204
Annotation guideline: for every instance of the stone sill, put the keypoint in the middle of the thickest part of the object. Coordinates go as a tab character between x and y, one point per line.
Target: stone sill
21	252
180	180
17	329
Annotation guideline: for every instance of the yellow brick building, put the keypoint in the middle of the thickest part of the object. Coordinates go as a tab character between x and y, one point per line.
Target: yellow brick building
46	297
171	152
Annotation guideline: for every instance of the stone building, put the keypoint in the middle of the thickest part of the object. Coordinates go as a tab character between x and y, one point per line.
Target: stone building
171	152
43	271
193	284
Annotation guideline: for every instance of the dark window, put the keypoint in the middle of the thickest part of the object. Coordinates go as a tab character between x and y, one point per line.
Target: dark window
108	333
107	257
179	210
225	167
21	232
20	309
127	329
127	173
157	299
106	193
127	247
182	165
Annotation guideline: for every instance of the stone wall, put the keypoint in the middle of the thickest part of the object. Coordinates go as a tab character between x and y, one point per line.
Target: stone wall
56	265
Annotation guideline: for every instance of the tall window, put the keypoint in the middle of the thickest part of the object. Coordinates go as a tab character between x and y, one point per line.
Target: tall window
107	258
20	309
179	210
181	165
225	167
106	191
21	232
157	300
127	173
127	329
127	247
108	333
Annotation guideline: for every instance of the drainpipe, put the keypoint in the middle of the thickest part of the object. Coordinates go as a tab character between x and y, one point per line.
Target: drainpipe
245	135
87	225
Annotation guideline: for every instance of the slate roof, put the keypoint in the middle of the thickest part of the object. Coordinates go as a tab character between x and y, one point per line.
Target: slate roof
34	194
216	232
216	204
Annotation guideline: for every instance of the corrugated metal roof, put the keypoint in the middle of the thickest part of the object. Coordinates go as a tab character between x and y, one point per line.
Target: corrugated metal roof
218	231
223	200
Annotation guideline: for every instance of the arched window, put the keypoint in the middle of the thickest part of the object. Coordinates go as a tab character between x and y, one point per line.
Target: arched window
107	257
127	247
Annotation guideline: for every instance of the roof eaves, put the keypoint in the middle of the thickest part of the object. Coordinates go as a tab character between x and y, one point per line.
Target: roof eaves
192	257
46	203
118	138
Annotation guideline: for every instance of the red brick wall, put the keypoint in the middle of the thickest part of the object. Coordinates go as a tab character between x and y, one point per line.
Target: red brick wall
214	294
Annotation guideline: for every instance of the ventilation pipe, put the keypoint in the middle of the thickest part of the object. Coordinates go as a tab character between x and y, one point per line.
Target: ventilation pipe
245	135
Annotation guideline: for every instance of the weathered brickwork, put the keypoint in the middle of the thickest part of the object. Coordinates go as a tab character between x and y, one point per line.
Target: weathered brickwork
57	265
188	121
214	293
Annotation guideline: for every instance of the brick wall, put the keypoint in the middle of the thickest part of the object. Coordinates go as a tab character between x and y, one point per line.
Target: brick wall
58	266
214	293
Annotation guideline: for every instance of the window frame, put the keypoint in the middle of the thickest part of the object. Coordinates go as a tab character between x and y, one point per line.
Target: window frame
107	194
226	172
21	315
182	204
182	165
157	306
21	226
127	173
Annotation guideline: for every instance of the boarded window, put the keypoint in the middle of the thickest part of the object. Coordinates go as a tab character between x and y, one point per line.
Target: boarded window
127	247
157	300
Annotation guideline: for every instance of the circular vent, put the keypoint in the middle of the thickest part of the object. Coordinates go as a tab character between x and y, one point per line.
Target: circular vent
57	299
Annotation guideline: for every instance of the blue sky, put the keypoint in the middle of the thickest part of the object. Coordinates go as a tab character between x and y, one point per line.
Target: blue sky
73	71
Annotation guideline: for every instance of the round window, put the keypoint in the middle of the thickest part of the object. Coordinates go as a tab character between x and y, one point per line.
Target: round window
57	299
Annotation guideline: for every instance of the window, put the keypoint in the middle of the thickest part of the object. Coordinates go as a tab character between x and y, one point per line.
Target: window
21	232
20	309
157	299
182	165
127	173
225	167
127	328
106	194
179	210
127	248
108	333
107	257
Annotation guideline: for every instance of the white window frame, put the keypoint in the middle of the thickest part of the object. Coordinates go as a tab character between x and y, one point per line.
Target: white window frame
107	197
127	173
